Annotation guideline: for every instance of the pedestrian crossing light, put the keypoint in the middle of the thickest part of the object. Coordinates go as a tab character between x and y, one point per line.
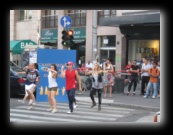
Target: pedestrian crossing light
67	38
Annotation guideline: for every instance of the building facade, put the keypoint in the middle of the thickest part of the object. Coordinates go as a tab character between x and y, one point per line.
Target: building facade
93	41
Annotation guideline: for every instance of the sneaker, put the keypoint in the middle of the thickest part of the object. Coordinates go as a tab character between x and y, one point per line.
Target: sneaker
94	104
30	102
133	93
49	110
128	93
99	108
153	97
69	112
145	97
54	111
34	103
21	101
30	108
74	106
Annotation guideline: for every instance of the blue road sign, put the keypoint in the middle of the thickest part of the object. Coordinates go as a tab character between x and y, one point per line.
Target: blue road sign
66	21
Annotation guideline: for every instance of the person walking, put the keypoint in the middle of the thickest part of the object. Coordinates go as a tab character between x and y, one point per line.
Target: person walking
52	87
70	75
97	85
134	77
31	83
26	97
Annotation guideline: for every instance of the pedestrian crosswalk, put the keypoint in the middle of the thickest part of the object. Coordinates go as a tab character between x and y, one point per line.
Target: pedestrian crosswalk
83	113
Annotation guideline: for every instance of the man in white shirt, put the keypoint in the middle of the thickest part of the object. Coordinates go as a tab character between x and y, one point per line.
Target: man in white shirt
89	65
145	76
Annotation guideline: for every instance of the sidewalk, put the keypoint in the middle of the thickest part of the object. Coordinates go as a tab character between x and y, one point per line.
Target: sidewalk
122	100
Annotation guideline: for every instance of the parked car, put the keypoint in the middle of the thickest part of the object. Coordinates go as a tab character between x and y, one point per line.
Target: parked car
17	81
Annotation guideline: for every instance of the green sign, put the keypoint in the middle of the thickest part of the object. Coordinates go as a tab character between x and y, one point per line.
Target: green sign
49	35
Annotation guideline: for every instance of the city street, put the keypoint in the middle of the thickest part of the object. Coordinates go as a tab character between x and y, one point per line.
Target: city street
83	113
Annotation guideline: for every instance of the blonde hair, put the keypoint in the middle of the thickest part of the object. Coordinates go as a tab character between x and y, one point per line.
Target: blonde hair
98	68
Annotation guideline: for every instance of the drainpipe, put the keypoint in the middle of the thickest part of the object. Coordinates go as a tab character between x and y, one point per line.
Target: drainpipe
94	36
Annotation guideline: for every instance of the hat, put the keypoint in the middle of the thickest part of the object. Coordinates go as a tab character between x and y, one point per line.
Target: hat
70	63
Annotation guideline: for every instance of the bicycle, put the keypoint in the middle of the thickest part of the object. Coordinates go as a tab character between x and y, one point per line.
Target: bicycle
86	82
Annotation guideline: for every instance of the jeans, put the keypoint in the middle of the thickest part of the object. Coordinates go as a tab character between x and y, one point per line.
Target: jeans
71	98
149	86
134	80
145	80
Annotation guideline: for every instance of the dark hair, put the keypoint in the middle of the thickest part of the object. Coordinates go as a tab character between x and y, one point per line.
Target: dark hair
109	59
36	66
55	68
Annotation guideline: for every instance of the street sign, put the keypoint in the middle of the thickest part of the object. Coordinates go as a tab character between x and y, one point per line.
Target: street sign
66	21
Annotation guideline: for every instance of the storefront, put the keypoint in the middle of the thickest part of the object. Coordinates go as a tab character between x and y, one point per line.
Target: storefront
17	49
142	35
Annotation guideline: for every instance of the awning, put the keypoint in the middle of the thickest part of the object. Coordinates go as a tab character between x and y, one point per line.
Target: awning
130	19
17	46
145	26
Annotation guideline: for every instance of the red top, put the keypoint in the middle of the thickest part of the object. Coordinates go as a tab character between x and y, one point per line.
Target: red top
70	79
128	66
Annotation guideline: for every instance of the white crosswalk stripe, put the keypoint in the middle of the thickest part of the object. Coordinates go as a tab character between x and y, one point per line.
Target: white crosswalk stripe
83	113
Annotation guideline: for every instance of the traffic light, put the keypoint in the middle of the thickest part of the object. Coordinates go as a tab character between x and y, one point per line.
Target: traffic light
67	38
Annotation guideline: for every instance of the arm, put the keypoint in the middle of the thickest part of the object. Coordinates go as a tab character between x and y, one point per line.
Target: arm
25	68
135	71
54	73
62	75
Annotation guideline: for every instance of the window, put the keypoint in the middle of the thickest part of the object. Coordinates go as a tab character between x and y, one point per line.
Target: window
78	17
50	20
25	15
108	41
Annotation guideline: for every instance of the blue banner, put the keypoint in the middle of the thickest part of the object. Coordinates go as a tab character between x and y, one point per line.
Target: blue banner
46	57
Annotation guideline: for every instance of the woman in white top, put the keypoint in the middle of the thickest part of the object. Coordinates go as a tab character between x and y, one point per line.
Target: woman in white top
52	87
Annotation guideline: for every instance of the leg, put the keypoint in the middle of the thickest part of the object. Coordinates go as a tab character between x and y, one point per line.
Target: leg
68	93
135	84
71	98
155	90
148	89
53	93
129	88
110	90
99	98
142	85
92	97
105	90
50	101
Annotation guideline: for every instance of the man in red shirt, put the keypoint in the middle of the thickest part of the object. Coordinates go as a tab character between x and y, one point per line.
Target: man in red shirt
71	75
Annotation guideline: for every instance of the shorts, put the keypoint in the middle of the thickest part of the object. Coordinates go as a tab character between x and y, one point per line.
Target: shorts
53	89
29	87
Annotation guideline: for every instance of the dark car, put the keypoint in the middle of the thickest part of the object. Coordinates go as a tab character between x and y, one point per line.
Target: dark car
17	81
